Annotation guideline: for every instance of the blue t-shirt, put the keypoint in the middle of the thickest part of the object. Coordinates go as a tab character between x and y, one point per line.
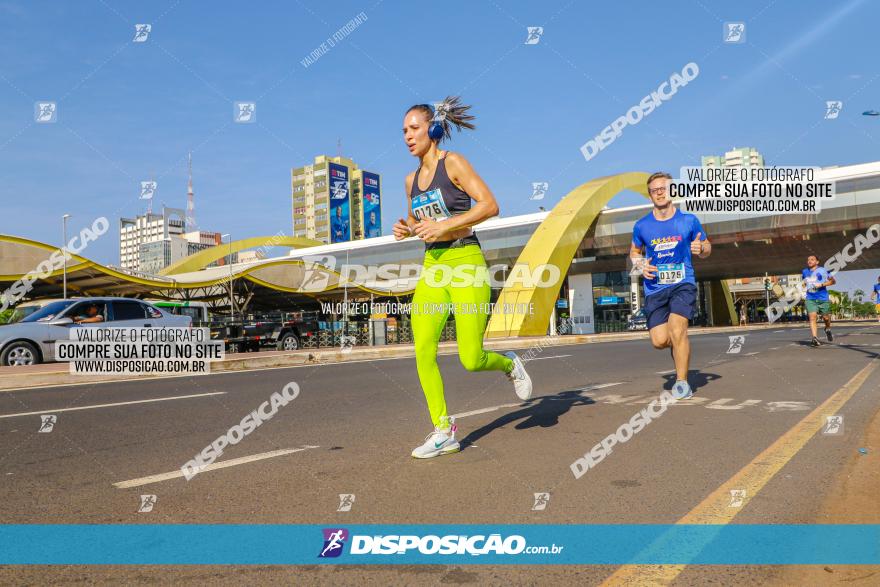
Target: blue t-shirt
667	244
877	291
811	279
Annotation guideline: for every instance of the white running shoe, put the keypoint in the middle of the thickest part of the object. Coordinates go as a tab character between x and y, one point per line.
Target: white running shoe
522	383
439	442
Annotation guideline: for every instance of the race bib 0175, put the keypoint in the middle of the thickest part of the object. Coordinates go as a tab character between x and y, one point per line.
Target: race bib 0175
670	273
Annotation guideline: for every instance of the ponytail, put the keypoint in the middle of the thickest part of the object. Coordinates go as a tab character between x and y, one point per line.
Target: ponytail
448	113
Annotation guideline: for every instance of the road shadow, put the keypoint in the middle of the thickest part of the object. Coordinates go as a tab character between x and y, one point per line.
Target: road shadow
697	379
542	412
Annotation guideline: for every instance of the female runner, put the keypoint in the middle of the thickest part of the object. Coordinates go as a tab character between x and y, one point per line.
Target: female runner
439	195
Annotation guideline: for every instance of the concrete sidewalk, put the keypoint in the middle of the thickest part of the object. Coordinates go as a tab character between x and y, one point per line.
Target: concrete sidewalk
50	374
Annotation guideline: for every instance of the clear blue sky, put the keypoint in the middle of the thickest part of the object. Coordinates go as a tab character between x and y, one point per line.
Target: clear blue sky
131	111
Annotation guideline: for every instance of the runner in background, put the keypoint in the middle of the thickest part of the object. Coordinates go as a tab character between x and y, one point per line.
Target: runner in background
875	295
816	279
669	239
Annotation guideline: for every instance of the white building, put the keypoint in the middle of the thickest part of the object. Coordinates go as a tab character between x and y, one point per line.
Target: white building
250	256
147	228
151	242
738	157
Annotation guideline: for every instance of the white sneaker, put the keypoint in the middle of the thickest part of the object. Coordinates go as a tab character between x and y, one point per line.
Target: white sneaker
522	383
439	442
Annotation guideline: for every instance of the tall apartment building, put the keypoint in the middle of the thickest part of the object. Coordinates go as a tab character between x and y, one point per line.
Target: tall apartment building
335	201
738	157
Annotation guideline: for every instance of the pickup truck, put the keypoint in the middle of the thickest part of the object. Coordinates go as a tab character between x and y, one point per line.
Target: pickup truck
298	327
236	336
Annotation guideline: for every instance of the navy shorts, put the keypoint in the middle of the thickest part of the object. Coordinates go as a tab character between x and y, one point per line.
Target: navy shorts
679	299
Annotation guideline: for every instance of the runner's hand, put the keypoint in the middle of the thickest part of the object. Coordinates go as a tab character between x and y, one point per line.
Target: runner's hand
401	229
697	245
430	230
649	270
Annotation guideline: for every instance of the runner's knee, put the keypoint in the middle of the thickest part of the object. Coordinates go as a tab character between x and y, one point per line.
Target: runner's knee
472	361
425	347
660	342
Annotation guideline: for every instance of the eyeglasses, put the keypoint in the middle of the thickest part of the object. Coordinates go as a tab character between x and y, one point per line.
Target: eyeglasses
657	191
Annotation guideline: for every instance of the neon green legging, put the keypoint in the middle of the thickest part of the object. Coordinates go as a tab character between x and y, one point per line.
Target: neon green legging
458	279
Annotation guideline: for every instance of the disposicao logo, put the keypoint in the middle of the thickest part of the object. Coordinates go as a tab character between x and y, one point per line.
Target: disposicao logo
334	541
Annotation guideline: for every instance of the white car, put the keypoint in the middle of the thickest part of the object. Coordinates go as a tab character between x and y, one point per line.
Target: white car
24	309
32	340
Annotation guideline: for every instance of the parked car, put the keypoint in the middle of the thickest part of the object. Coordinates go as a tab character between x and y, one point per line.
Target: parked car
32	340
637	321
25	309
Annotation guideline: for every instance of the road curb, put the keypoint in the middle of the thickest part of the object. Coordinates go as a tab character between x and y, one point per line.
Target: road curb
233	362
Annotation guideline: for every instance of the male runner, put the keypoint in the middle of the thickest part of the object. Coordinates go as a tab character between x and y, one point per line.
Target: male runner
670	239
816	280
875	295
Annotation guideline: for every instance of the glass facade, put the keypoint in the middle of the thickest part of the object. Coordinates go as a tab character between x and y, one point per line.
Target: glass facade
611	300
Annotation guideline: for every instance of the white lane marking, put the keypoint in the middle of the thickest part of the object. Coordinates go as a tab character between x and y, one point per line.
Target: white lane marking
773	348
667	372
777	331
542	358
521	404
486	410
751	354
140	401
212	467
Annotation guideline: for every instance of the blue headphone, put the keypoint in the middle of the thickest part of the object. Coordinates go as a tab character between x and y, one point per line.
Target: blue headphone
435	131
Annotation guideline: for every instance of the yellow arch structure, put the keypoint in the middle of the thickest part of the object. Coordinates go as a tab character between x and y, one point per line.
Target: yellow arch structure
204	258
21	256
555	242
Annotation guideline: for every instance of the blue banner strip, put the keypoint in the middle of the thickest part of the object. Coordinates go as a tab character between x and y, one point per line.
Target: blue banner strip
162	544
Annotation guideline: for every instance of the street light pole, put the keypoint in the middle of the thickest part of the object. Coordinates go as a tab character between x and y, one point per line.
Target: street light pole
229	264
64	245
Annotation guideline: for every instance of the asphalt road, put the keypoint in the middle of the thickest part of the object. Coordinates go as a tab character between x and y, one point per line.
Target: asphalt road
353	426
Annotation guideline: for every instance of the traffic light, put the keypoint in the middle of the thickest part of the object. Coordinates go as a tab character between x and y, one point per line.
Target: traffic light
767	283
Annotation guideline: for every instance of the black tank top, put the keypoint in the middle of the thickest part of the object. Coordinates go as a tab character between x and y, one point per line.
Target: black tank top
457	202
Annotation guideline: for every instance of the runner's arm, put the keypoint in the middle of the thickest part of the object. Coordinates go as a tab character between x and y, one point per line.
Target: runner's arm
635	252
635	255
410	222
707	249
465	178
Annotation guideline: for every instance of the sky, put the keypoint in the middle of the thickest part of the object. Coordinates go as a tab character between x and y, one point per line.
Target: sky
129	112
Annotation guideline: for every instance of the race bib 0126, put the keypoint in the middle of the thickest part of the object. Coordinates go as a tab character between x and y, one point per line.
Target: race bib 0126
430	205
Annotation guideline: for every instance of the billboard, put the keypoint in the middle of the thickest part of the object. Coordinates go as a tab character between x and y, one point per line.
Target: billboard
340	217
372	205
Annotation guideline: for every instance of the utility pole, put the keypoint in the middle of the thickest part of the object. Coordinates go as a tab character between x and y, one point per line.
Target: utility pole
64	245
